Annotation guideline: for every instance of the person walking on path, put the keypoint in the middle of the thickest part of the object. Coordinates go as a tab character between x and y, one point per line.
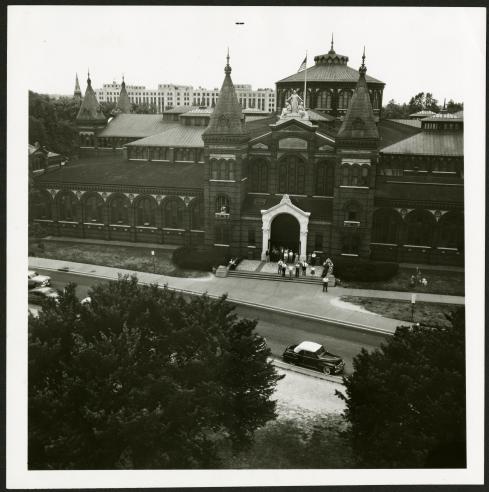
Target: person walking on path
279	267
325	283
297	268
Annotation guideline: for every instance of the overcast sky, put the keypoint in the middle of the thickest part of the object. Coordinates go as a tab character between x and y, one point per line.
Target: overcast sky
410	49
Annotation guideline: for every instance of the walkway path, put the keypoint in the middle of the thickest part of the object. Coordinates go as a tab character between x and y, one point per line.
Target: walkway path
308	300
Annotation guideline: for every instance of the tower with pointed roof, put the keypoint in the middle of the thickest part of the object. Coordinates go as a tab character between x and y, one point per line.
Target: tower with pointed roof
90	118
78	93
225	150
357	144
123	103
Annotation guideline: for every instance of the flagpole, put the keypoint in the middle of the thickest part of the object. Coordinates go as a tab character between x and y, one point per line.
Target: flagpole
305	84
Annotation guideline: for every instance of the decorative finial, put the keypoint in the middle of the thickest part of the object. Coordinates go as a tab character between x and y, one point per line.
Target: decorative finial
445	103
88	79
363	68
227	68
332	42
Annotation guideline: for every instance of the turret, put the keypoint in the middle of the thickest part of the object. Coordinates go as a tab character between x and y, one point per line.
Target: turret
123	104
90	114
78	93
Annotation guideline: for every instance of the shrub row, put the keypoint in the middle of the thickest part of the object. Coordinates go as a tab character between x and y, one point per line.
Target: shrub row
354	268
194	259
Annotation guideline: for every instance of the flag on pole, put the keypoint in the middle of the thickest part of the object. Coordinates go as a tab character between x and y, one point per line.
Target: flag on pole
303	64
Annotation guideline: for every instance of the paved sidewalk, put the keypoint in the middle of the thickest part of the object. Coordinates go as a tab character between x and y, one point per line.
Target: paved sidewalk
308	300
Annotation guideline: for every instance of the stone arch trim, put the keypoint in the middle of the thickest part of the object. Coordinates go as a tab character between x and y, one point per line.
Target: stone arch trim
287	207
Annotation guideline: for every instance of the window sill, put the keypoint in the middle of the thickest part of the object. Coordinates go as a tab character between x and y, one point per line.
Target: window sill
348	254
383	244
356	187
219	244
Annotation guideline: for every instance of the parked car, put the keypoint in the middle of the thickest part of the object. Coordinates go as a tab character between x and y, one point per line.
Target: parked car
38	294
313	356
40	280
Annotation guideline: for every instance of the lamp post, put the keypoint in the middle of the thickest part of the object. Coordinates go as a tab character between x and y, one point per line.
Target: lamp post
153	256
413	302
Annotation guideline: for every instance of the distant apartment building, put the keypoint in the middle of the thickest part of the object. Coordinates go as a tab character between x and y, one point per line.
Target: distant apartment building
170	96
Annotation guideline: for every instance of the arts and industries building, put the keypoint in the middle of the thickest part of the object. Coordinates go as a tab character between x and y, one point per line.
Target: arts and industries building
334	178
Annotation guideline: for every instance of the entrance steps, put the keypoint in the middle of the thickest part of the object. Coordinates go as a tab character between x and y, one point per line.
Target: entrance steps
275	277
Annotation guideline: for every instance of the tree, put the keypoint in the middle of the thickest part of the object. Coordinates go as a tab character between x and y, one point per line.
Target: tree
142	378
430	103
52	123
394	110
144	108
406	400
108	108
453	107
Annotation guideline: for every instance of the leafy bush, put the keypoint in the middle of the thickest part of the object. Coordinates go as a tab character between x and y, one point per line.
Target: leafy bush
354	268
198	259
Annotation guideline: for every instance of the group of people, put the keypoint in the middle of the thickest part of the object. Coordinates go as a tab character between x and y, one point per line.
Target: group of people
418	279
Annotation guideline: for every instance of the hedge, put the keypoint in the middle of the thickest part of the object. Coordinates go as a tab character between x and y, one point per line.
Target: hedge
195	259
354	268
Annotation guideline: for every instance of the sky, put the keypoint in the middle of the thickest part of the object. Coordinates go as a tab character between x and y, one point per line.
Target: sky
410	49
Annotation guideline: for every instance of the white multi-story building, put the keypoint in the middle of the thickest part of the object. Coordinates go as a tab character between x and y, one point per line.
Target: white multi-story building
170	96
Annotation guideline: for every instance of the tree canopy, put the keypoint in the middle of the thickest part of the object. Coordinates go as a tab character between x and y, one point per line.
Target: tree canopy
419	102
406	400
142	378
52	122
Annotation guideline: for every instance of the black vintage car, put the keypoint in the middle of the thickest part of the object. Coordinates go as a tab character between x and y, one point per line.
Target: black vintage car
313	356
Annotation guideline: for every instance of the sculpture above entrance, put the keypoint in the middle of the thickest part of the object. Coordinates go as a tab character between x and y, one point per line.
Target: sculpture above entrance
294	108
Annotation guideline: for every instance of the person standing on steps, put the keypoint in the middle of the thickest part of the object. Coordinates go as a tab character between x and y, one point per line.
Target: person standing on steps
304	268
279	267
291	270
284	267
325	283
297	268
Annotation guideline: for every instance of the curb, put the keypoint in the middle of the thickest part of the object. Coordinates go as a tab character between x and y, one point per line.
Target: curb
306	372
297	314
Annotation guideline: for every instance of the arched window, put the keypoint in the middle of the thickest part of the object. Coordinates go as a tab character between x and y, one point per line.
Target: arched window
197	215
352	211
222	204
119	210
146	212
385	226
345	175
324	99
68	207
173	210
259	175
324	178
451	231
344	99
420	226
292	175
41	206
355	175
93	208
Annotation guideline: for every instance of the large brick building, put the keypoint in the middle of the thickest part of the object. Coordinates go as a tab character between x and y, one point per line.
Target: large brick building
323	179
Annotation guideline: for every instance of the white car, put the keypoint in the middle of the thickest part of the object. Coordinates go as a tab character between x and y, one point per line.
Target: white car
39	280
37	295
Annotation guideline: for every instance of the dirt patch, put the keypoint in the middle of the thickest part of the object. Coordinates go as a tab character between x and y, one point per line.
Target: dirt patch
426	313
125	257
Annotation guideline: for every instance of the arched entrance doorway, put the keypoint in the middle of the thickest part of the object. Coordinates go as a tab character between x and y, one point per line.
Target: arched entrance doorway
285	232
294	233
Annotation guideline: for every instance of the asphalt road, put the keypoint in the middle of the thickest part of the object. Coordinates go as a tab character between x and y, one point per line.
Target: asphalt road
279	329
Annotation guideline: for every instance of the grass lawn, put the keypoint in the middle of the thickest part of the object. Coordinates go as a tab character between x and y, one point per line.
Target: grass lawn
426	313
129	258
439	282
